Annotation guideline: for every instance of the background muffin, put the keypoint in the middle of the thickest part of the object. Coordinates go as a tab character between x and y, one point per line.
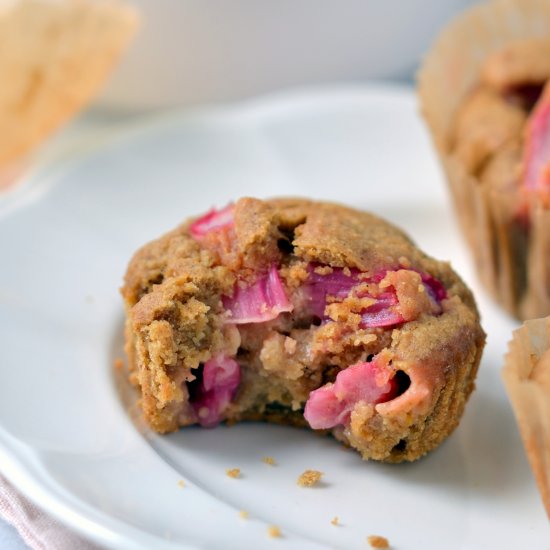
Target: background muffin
482	93
54	59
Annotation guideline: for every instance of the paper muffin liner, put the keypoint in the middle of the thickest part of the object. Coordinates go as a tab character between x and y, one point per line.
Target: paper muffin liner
527	379
514	267
54	58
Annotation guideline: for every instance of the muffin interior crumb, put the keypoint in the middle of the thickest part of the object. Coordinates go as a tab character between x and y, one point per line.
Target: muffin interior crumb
309	478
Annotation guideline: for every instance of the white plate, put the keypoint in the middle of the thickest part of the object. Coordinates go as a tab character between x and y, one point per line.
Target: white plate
67	438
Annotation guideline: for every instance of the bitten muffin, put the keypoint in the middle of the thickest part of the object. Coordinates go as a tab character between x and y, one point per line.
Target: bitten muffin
302	313
485	93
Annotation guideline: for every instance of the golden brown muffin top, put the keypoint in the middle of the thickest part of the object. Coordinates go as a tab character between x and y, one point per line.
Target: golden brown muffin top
315	232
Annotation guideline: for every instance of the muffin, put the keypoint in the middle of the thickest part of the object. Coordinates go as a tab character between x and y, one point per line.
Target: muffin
303	313
54	58
485	93
527	378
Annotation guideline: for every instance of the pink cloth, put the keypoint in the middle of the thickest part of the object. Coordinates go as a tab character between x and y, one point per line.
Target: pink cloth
37	529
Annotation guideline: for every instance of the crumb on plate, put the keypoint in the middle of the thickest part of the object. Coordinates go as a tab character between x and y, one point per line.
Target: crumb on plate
273	531
243	514
335	520
377	541
233	472
119	364
269	460
181	484
309	478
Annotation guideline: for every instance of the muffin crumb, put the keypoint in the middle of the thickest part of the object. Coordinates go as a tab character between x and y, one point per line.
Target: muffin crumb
290	345
335	521
181	484
323	270
268	460
243	514
233	472
377	541
273	531
309	478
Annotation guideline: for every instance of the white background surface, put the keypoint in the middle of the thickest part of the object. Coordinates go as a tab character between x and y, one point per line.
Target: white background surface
192	52
66	437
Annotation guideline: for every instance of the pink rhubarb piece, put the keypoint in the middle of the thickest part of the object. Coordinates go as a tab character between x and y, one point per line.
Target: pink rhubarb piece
262	301
220	378
335	284
331	405
536	175
382	313
214	220
434	287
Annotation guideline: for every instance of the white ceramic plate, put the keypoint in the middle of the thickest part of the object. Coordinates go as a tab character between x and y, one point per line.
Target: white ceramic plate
67	435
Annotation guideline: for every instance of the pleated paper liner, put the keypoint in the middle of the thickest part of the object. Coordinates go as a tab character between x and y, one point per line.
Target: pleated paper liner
513	265
54	57
527	379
